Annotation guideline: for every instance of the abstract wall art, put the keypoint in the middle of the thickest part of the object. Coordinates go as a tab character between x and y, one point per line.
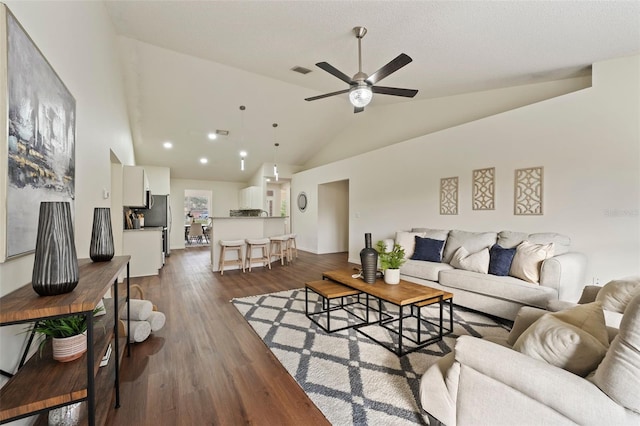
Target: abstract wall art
38	150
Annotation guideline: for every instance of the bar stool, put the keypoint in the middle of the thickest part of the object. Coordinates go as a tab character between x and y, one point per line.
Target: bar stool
232	246
258	243
292	246
279	248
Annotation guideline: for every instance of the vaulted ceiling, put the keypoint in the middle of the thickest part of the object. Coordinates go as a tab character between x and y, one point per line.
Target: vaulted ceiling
189	66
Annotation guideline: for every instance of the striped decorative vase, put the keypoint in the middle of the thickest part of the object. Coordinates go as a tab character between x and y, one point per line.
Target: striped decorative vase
55	265
101	249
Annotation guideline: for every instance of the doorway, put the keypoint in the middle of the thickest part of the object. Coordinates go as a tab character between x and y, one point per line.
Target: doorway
333	217
197	219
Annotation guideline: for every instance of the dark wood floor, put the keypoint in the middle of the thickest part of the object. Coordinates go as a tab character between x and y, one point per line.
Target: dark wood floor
207	366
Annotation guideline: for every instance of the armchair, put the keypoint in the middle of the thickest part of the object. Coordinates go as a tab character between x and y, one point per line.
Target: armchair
482	382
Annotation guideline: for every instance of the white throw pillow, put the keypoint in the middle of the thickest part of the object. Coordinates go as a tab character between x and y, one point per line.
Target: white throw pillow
616	294
407	240
528	260
474	262
574	340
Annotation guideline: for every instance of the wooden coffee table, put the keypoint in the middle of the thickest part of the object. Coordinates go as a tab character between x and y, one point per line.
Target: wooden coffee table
401	295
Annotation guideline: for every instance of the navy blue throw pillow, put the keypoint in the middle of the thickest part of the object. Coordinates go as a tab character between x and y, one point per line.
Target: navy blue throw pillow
500	260
428	249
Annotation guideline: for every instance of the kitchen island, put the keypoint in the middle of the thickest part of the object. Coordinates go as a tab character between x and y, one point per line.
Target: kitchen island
240	228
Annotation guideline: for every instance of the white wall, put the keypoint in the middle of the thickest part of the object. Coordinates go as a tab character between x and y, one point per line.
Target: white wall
224	197
333	217
588	143
431	115
78	41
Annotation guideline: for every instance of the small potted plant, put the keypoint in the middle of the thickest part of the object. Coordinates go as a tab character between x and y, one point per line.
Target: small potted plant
68	335
390	261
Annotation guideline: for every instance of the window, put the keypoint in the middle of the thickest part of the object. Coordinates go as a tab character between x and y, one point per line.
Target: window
197	205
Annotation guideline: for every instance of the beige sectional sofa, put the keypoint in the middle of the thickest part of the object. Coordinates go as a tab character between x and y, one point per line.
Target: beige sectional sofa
559	276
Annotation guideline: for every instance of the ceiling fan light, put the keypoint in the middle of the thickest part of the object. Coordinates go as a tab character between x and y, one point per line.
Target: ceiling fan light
360	96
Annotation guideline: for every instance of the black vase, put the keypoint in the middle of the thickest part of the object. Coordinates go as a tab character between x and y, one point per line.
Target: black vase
101	248
55	266
369	260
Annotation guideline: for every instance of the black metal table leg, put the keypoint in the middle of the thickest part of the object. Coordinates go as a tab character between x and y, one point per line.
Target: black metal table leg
128	312
116	331
91	391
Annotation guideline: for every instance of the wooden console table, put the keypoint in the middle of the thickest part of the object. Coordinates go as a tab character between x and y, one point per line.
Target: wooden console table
42	383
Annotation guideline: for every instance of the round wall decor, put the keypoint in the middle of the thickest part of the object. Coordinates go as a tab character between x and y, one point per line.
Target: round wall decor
302	201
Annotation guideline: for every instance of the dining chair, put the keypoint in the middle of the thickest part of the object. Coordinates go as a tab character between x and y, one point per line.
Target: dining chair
195	232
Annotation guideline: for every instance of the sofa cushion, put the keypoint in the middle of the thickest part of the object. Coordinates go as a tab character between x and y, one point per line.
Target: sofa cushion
428	249
422	269
528	260
475	262
575	340
501	288
618	375
510	239
435	234
407	240
561	243
471	241
500	260
616	294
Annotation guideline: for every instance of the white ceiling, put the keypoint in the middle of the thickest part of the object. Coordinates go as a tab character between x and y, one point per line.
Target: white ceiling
190	65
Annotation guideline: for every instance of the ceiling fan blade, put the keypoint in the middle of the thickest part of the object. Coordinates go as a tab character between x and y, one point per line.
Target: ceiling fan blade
357	110
334	71
400	61
326	95
407	93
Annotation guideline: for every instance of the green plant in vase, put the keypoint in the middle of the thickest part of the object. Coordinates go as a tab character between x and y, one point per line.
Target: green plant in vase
67	334
390	261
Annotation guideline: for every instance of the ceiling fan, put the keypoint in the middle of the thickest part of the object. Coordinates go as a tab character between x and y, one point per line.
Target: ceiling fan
362	87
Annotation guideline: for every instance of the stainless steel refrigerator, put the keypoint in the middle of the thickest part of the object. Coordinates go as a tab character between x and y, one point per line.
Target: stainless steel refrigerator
159	214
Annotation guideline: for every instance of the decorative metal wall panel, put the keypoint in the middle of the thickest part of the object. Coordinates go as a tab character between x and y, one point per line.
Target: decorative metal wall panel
528	191
484	189
449	196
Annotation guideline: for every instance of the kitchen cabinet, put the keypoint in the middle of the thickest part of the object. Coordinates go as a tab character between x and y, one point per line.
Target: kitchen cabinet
145	248
250	198
159	179
135	187
42	383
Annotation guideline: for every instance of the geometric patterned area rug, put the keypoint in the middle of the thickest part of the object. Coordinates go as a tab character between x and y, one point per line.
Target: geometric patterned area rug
350	378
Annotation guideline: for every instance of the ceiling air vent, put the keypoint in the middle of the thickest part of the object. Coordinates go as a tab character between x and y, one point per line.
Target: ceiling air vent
222	132
301	70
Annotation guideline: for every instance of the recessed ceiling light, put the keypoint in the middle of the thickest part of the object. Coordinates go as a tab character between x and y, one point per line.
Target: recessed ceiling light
204	160
268	180
167	145
212	136
243	153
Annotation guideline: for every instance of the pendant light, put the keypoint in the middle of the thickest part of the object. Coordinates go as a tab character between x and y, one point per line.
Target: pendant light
275	152
243	154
